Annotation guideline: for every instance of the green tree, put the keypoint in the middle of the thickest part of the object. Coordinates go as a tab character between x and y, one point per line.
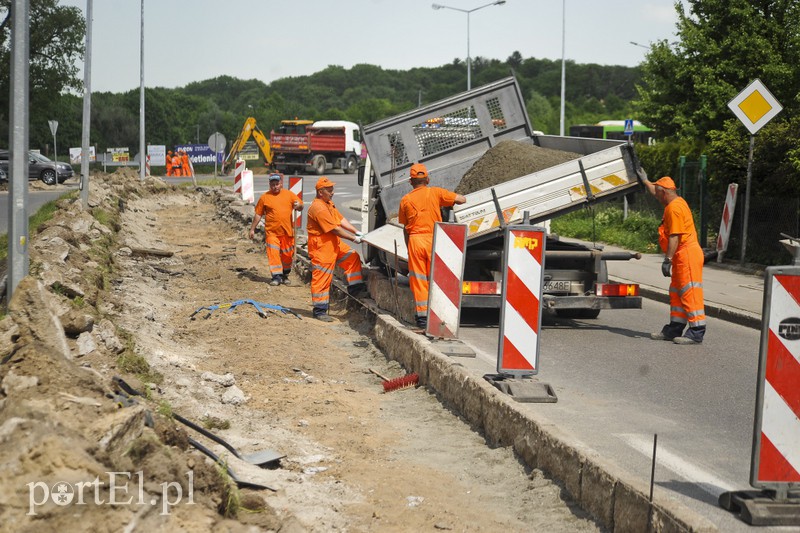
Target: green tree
722	45
56	43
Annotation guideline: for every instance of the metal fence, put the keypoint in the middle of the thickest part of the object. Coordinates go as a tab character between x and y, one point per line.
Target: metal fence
768	217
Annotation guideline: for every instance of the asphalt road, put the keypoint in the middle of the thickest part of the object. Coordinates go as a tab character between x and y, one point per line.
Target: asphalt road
36	199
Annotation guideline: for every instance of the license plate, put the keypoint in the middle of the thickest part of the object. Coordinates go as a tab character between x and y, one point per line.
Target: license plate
556	286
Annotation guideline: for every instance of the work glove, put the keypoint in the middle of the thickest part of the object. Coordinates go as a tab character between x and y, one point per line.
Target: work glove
359	234
666	266
357	240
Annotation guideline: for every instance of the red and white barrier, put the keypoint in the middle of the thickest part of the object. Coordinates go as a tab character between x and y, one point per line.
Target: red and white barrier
727	219
147	166
447	275
296	186
776	454
520	314
248	194
237	175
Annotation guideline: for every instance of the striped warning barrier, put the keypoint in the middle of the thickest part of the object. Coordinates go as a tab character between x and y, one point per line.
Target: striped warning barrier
237	176
447	274
248	194
147	166
727	219
296	186
521	307
776	434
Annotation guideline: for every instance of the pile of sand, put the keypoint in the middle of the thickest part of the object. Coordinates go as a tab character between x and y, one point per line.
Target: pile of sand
509	160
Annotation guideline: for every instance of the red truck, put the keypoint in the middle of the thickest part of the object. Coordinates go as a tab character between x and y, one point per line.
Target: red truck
302	147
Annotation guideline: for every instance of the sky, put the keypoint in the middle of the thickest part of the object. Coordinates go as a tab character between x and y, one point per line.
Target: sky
195	40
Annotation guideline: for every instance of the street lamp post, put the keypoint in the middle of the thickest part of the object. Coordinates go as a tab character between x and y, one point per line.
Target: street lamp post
563	60
468	11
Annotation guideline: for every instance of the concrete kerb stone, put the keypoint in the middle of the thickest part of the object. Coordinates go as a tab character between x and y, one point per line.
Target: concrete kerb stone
618	501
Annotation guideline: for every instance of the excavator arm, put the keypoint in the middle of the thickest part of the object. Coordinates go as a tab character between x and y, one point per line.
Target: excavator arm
249	129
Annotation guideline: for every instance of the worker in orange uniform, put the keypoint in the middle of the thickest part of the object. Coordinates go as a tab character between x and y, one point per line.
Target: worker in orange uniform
276	206
176	164
169	162
683	263
419	211
326	228
185	165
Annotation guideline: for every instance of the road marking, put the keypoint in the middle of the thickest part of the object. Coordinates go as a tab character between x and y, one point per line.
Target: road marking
705	480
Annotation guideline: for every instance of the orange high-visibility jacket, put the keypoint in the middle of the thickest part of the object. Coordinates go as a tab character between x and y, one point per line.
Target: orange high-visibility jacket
277	211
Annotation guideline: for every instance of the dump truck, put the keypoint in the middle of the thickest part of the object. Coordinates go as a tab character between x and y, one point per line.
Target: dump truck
449	137
303	147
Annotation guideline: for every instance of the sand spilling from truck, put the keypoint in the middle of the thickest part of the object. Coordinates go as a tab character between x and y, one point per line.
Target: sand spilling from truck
509	160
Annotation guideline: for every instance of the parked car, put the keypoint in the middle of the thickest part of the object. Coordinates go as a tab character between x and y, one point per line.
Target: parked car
41	168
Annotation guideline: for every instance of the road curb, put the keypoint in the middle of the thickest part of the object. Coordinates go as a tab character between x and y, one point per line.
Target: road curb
616	499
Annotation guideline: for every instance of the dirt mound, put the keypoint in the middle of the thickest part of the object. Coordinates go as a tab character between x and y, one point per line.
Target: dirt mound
509	160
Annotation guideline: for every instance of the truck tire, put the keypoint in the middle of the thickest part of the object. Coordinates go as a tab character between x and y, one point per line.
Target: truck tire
320	164
351	165
585	314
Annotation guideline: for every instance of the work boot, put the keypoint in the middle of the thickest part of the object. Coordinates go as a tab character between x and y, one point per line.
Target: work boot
692	336
359	290
422	322
286	281
324	317
276	280
668	332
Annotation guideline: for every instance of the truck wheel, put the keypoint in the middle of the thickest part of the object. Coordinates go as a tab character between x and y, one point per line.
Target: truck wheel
319	165
578	313
48	177
351	166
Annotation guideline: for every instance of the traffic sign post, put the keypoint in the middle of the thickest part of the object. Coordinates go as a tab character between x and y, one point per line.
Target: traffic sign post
217	144
775	460
754	107
53	129
628	128
521	315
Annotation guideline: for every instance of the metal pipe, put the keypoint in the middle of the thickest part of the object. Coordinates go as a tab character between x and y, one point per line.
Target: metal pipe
142	147
87	108
18	257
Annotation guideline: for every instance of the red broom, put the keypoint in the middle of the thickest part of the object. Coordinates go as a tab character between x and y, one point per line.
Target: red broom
403	382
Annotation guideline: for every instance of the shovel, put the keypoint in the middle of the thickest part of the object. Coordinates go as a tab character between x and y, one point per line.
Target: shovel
259	458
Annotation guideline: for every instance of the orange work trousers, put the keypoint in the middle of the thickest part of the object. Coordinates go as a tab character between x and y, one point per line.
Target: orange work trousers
326	253
419	268
280	252
686	288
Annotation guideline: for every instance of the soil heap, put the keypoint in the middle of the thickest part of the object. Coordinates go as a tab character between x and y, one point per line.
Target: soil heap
509	160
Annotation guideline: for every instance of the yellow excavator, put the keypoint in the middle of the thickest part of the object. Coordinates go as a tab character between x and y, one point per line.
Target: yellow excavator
249	129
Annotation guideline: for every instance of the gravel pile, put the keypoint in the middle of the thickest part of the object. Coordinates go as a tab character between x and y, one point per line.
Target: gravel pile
509	160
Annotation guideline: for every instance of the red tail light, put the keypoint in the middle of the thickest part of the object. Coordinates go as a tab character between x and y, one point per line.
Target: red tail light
617	289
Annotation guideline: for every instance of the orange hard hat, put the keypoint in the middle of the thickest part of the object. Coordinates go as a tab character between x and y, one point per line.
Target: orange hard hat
666	183
324	182
418	171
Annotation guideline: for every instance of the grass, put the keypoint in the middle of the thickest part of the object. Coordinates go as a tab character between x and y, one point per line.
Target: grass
212	182
41	216
606	224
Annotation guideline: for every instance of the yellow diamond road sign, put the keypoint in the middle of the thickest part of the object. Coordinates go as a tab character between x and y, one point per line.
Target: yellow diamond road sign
755	106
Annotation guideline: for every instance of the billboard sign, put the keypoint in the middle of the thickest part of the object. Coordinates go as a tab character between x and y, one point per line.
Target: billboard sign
200	154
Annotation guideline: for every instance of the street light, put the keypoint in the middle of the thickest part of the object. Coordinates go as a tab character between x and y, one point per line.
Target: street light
468	11
639	45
